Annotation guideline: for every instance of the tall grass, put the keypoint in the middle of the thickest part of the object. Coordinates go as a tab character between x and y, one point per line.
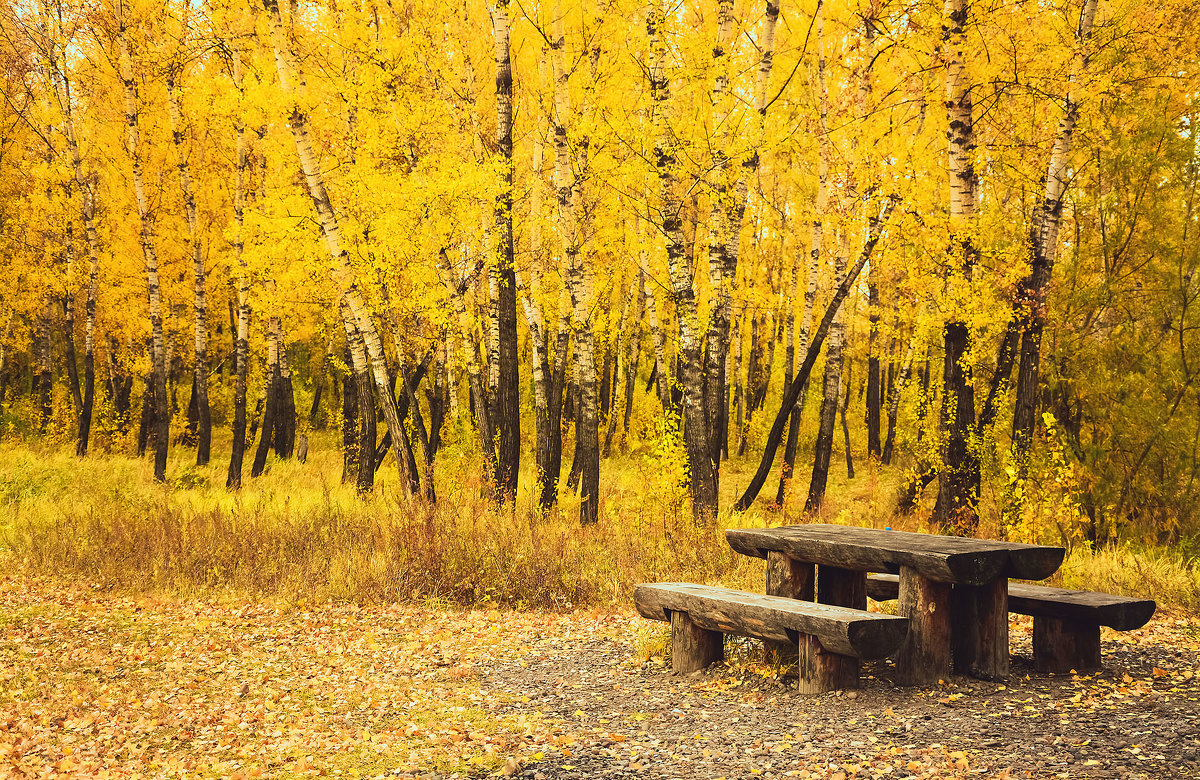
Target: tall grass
298	532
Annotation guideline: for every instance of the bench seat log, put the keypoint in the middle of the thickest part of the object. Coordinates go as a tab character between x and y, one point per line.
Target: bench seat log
940	558
1066	623
1104	609
829	639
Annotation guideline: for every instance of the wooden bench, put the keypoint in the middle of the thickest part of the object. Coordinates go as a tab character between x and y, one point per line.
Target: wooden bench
1066	623
830	640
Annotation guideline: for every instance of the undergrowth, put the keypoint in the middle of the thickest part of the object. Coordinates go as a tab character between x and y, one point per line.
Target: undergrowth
297	532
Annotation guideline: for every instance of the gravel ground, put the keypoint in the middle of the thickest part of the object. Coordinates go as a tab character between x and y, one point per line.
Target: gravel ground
1138	718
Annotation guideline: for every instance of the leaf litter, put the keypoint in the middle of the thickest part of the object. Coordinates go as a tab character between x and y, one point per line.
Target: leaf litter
97	684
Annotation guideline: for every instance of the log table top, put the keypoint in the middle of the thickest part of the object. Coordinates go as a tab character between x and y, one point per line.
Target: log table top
950	559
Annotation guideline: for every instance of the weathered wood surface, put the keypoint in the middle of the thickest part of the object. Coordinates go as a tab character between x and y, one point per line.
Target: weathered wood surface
820	671
1060	646
693	648
842	587
979	622
840	630
1105	609
924	656
942	558
791	579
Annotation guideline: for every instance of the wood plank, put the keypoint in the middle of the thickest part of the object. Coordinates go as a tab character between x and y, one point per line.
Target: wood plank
1120	612
942	558
924	656
846	631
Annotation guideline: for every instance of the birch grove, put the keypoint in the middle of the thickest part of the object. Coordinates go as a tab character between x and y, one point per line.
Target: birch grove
501	228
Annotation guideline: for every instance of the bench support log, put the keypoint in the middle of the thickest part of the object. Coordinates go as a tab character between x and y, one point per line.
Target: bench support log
980	616
693	648
842	587
791	579
924	655
1062	645
820	671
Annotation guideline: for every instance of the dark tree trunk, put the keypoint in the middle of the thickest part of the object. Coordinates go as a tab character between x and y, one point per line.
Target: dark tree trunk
89	394
507	413
42	383
270	407
874	391
69	339
241	354
285	410
958	479
846	425
350	453
146	427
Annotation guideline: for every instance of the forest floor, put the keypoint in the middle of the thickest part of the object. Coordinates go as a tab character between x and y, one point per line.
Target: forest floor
96	683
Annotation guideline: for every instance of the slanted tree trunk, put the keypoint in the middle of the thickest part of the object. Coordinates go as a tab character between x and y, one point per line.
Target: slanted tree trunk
233	479
958	478
343	273
823	449
1045	249
200	304
703	479
162	418
821	205
775	436
508	393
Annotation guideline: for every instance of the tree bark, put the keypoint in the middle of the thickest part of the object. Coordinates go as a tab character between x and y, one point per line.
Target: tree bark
271	397
42	382
823	449
162	416
1045	249
508	395
894	403
200	304
958	478
703	478
233	479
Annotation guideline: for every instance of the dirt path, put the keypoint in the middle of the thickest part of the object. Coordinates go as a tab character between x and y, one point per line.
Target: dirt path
1139	718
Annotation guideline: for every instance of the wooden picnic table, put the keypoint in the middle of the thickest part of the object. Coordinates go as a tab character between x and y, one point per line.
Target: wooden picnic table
953	590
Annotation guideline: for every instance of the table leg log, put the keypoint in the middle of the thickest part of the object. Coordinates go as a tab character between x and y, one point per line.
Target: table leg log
1060	646
842	587
693	648
924	657
820	671
980	637
791	579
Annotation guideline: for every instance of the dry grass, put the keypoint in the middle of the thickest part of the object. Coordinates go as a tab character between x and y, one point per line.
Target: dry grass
296	532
